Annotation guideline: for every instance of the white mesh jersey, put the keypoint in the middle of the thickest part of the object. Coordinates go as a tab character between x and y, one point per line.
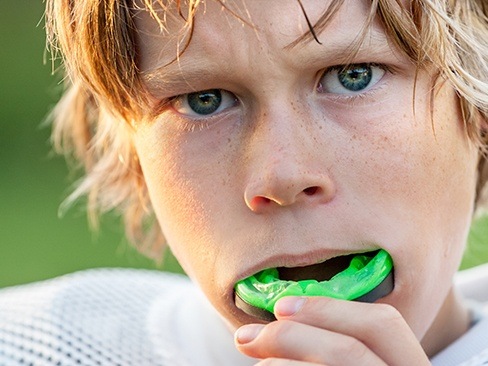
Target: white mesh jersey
128	317
115	317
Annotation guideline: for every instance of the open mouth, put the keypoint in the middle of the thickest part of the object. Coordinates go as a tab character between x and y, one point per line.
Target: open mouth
361	277
319	272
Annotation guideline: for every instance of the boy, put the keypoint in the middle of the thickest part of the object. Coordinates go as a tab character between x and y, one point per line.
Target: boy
272	134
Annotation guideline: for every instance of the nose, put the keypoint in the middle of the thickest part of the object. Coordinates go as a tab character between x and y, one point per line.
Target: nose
287	166
280	189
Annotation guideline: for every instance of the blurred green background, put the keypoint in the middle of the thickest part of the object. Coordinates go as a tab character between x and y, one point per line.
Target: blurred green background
34	242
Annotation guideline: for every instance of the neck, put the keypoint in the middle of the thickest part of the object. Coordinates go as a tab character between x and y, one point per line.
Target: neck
451	322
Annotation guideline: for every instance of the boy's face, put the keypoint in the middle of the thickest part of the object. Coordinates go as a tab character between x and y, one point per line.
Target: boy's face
288	161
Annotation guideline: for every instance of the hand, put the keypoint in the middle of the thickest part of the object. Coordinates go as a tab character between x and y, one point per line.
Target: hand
325	331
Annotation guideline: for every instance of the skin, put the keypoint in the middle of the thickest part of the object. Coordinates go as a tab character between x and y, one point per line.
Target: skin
294	174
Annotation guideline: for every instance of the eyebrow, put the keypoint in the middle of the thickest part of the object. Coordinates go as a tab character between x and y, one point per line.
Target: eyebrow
184	73
178	76
374	45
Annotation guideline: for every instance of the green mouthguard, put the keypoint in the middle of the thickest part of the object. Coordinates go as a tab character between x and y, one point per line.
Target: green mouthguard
365	272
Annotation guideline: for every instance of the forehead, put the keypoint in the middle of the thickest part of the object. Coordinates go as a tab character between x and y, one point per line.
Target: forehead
240	25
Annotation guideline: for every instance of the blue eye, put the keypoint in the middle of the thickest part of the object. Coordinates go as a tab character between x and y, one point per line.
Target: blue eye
350	79
204	103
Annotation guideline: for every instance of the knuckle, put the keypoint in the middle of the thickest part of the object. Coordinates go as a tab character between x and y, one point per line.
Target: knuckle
280	328
389	315
352	347
356	350
389	310
276	334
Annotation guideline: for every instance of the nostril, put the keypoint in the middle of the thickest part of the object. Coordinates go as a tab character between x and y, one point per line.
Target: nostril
310	191
260	200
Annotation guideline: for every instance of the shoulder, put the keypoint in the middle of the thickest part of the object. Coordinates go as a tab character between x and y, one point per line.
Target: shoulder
90	292
473	283
99	277
469	350
100	315
472	348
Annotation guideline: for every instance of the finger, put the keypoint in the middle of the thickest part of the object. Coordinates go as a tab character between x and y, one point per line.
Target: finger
301	342
378	326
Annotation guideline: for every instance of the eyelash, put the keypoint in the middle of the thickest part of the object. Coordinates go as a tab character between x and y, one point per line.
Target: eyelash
360	95
185	123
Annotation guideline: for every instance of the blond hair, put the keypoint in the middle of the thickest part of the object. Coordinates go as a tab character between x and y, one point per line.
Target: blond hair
105	90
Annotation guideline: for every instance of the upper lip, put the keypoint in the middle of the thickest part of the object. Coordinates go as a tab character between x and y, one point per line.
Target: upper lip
299	260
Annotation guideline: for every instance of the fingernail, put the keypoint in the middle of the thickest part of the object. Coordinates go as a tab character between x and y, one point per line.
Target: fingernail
289	306
247	333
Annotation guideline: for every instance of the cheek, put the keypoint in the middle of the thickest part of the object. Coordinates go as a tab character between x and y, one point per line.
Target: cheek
421	160
422	176
178	207
188	190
